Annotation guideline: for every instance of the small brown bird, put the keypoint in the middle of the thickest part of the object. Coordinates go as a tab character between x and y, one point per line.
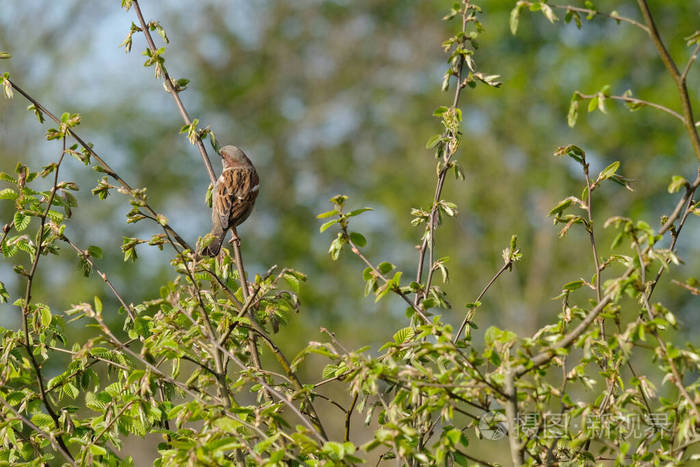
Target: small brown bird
233	197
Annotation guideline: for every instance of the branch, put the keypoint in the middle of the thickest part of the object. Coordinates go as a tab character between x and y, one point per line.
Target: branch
107	169
634	100
468	316
192	392
396	290
170	87
591	236
589	11
691	60
677	378
85	256
27	300
451	148
252	341
57	445
549	353
348	414
516	449
678	78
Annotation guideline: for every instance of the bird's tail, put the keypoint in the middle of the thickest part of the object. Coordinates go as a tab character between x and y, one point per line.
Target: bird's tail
215	246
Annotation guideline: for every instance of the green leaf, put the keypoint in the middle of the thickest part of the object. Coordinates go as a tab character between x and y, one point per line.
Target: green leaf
573	151
43	420
559	208
95	252
573	285
5	55
385	267
572	116
323	215
593	103
514	19
98	305
358	239
402	335
45	316
325	226
98	450
358	212
21	221
8	193
677	182
4	295
609	171
433	141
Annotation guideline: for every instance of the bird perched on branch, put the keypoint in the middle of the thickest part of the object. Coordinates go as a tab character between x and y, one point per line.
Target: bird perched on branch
233	196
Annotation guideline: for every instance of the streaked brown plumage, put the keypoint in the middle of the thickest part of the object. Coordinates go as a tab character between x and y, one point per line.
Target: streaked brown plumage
233	197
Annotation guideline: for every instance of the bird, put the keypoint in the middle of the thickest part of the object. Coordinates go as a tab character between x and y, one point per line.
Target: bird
233	197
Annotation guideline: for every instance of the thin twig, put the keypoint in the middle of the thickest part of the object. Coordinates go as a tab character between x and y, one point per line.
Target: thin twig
85	256
27	300
170	87
634	100
468	316
678	78
348	415
105	166
691	60
549	353
57	444
516	449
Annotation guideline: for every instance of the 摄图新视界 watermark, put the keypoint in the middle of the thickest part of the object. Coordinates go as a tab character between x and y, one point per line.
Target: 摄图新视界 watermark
493	425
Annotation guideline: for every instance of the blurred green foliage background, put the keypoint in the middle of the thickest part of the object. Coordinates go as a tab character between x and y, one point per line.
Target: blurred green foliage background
335	97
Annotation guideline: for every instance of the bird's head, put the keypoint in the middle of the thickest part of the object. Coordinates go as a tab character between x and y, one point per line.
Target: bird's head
234	156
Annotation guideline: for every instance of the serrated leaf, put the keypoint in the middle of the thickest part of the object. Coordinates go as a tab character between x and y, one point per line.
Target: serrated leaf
21	221
8	193
402	335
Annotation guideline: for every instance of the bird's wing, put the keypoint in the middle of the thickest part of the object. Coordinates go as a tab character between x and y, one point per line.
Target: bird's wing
236	191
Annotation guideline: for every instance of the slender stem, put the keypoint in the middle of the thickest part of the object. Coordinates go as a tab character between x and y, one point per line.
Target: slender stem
170	87
691	60
591	235
113	421
634	100
57	444
470	313
589	11
277	395
449	151
252	340
27	300
85	256
549	353
195	393
348	415
678	78
376	272
105	166
677	378
516	449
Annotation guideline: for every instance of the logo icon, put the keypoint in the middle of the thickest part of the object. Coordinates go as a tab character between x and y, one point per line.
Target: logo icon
492	426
